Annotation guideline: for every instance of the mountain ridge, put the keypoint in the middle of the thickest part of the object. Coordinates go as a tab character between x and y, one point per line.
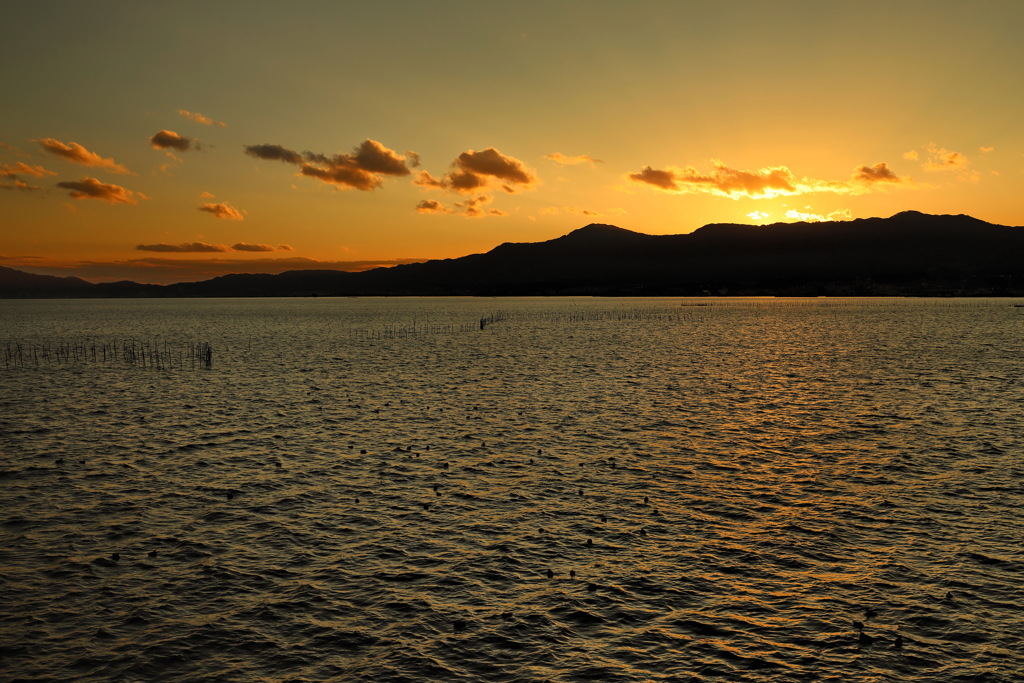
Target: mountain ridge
909	253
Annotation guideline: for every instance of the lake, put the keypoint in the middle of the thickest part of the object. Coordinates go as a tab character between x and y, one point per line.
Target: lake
510	489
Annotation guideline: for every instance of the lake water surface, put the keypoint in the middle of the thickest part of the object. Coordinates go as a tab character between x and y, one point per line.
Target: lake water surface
584	490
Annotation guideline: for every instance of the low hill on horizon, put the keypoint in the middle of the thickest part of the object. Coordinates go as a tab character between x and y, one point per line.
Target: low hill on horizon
908	254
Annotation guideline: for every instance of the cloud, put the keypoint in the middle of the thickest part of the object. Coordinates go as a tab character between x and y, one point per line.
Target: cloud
18	184
838	215
199	118
285	247
558	210
21	168
203	247
942	159
566	160
432	206
576	211
473	207
242	246
986	150
666	180
794	215
223	210
911	155
362	169
184	247
472	171
273	153
878	173
206	195
723	181
169	139
91	188
75	153
764	183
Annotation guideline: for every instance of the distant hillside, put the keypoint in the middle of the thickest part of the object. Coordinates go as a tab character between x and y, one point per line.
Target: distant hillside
911	254
27	285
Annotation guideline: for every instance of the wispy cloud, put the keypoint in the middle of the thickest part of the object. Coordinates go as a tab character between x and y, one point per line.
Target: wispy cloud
472	207
165	139
362	169
16	183
223	210
764	183
91	188
941	159
203	247
14	172
20	168
184	247
577	211
243	246
76	153
199	118
274	153
565	160
806	216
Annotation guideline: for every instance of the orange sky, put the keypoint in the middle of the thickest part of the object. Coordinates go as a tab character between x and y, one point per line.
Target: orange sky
139	143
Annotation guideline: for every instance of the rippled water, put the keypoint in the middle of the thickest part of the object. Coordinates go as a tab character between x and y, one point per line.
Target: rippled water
718	491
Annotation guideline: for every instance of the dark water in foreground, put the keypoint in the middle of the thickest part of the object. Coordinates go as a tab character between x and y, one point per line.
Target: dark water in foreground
801	460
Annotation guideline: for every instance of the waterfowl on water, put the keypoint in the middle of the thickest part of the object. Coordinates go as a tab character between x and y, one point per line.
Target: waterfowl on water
551	574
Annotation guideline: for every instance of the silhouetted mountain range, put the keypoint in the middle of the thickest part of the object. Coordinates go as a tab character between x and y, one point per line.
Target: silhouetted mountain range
911	254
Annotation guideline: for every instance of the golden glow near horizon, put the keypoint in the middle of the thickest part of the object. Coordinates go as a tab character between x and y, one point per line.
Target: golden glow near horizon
159	147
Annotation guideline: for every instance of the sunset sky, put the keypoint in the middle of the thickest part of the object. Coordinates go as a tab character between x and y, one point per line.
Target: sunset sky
161	142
